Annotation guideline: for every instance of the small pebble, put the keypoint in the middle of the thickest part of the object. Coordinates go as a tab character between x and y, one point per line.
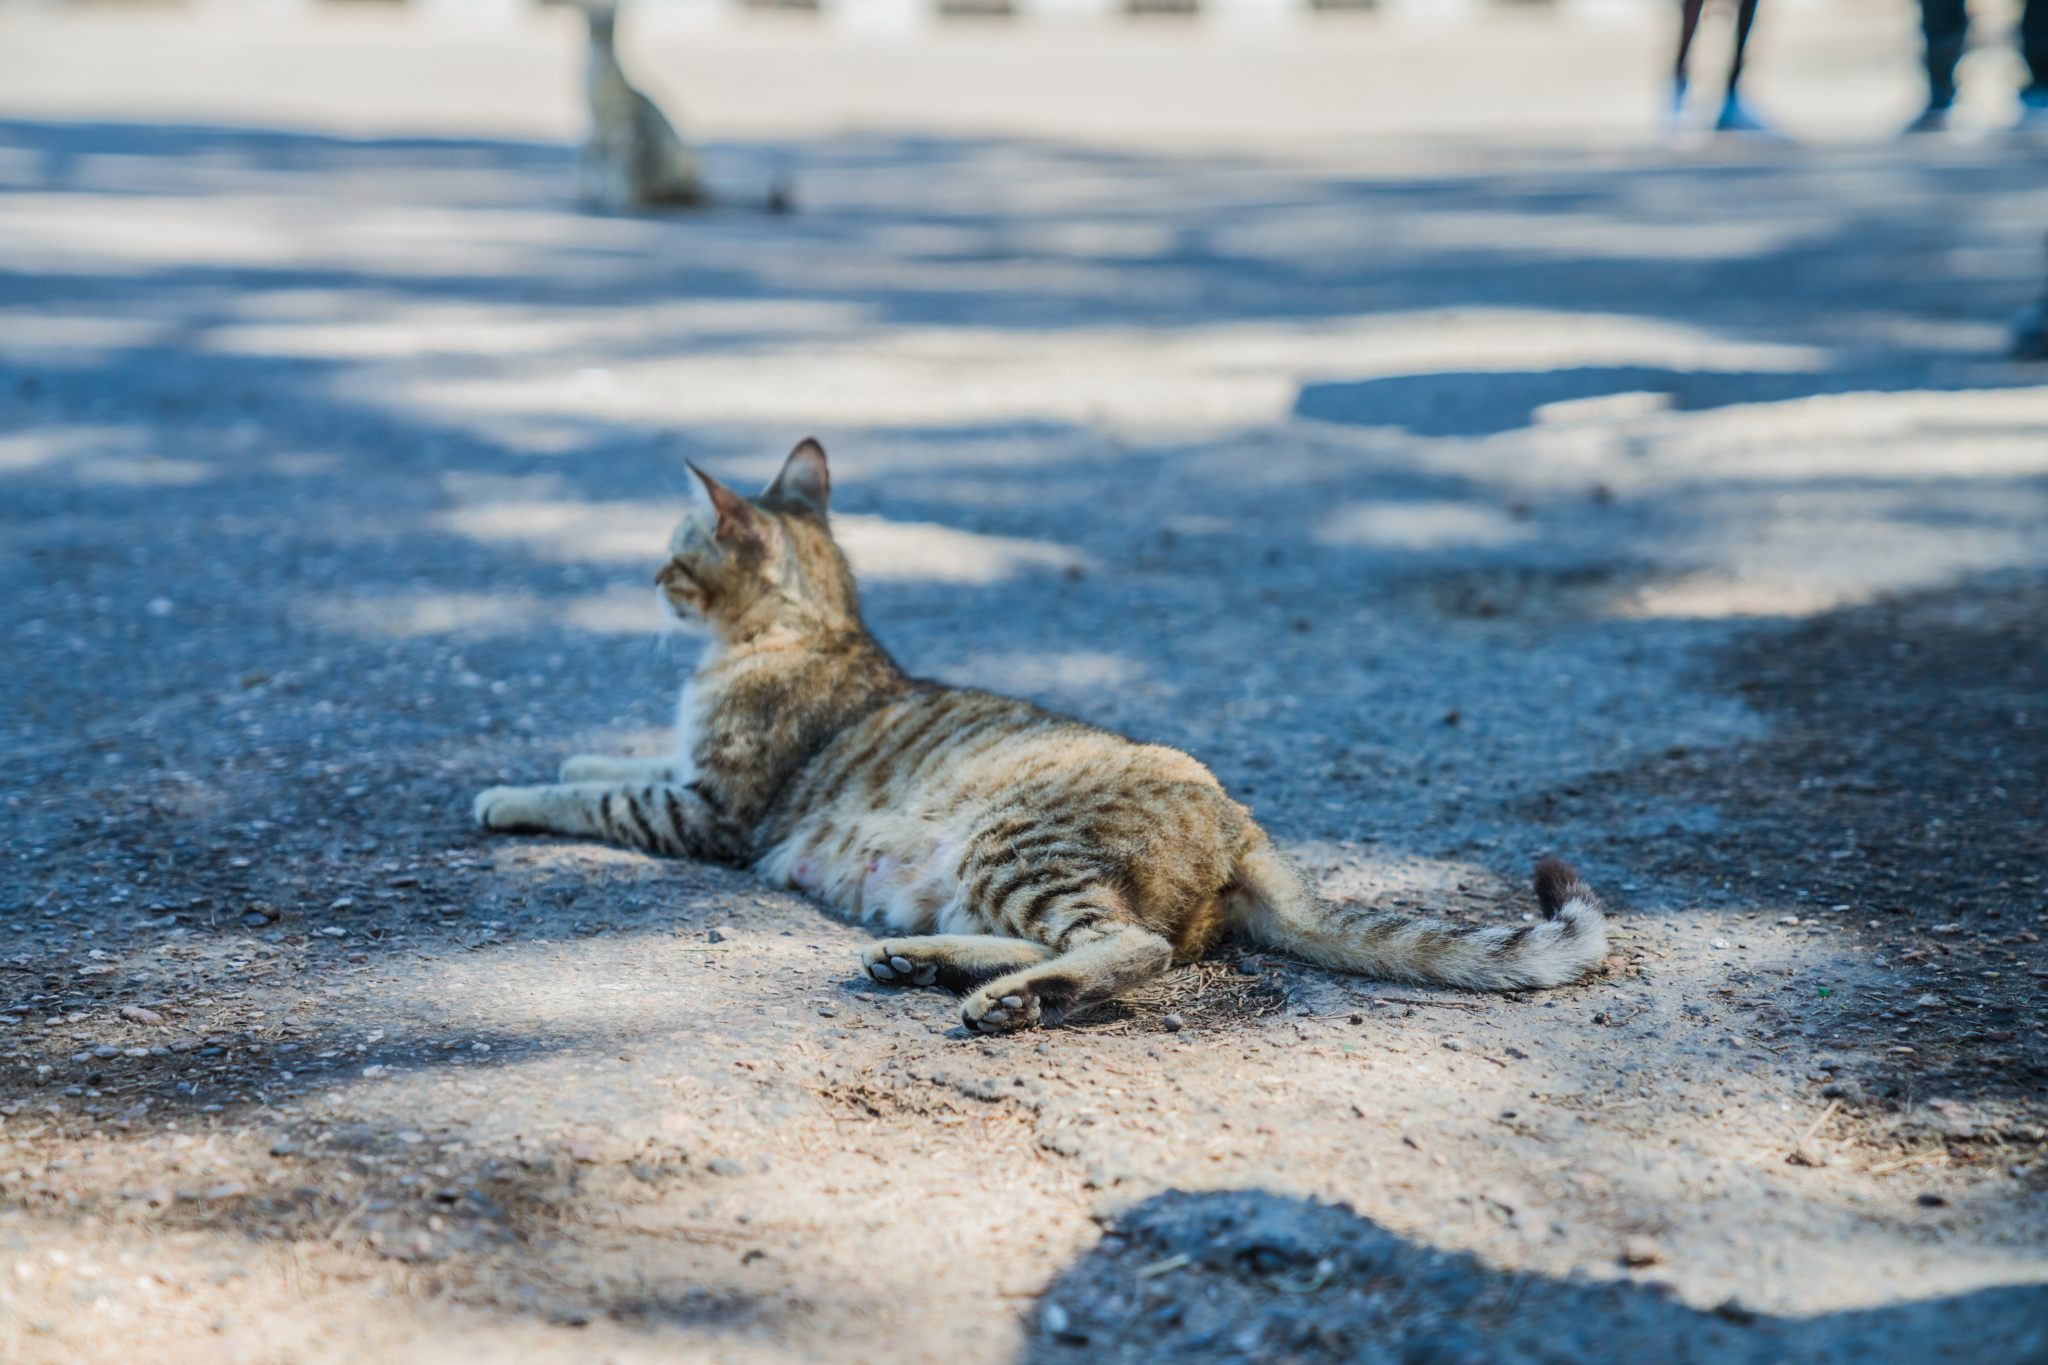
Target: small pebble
1174	1023
1931	1200
1639	1251
141	1015
1717	943
717	935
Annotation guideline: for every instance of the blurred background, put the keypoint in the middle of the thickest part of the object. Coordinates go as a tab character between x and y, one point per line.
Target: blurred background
1206	72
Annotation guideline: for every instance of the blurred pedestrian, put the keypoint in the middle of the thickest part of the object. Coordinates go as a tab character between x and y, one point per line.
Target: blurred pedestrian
1736	115
1946	26
2030	331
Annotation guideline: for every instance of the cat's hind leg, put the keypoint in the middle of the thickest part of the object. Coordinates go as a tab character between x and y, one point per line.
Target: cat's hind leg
956	962
1112	959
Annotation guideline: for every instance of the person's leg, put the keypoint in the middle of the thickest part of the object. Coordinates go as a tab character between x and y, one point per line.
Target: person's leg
1745	16
2034	47
1736	115
1688	25
1945	24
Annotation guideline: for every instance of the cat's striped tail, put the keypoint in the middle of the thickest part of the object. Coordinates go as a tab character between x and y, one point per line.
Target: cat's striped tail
1278	906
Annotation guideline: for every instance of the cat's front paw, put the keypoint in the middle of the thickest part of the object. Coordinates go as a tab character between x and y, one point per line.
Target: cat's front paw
1000	1008
887	965
509	808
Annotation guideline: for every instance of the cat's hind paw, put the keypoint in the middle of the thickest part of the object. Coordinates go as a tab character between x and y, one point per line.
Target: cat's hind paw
987	1012
886	964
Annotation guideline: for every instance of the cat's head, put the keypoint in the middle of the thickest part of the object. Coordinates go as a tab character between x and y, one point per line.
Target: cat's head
764	560
603	16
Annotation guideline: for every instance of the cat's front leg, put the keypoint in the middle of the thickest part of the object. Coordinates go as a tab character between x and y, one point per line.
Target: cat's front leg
655	818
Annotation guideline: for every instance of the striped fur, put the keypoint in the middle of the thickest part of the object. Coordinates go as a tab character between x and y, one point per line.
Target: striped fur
1031	862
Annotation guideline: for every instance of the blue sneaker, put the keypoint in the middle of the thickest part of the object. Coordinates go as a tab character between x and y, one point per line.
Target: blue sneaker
1738	117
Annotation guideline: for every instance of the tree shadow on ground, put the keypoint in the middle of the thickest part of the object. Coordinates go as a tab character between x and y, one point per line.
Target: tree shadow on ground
1894	805
1483	403
1253	1276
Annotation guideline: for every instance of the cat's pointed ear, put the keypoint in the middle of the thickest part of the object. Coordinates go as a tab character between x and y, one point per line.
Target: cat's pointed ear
737	519
804	484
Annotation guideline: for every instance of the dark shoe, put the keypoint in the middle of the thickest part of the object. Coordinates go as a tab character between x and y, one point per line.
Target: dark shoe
1933	119
2033	110
2030	333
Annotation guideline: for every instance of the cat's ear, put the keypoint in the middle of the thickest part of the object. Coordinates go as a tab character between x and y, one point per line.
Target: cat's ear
804	485
737	518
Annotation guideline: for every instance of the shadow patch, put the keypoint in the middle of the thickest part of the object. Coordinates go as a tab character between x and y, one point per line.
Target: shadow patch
1248	1275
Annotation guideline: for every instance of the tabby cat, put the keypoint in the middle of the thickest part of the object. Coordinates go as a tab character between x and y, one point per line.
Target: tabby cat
1032	863
633	158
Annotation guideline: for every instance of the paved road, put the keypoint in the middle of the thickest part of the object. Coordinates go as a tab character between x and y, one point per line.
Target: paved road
1457	501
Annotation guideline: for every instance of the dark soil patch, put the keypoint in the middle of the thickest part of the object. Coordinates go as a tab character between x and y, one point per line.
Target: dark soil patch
1248	1275
1897	807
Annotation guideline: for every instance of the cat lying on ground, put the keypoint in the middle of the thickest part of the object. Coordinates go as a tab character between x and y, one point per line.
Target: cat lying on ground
1032	863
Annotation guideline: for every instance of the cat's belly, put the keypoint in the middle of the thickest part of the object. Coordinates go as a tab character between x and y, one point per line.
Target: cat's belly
891	870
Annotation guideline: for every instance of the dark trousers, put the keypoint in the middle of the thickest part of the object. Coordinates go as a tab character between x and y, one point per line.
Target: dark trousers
1946	26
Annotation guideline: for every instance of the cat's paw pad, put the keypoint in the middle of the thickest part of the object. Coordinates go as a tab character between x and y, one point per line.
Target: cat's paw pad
508	808
887	964
987	1012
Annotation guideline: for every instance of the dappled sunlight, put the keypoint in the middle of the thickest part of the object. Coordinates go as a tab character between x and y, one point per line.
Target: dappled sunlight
61	233
106	455
1914	435
638	533
1184	378
1764	508
620	610
1421	526
1830	547
1079	672
36	338
1343	234
358	325
912	552
67	446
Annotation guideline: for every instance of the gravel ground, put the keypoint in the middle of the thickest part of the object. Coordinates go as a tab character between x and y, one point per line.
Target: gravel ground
1671	513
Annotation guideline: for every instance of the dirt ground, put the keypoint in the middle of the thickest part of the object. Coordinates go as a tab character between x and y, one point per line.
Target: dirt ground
1672	512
